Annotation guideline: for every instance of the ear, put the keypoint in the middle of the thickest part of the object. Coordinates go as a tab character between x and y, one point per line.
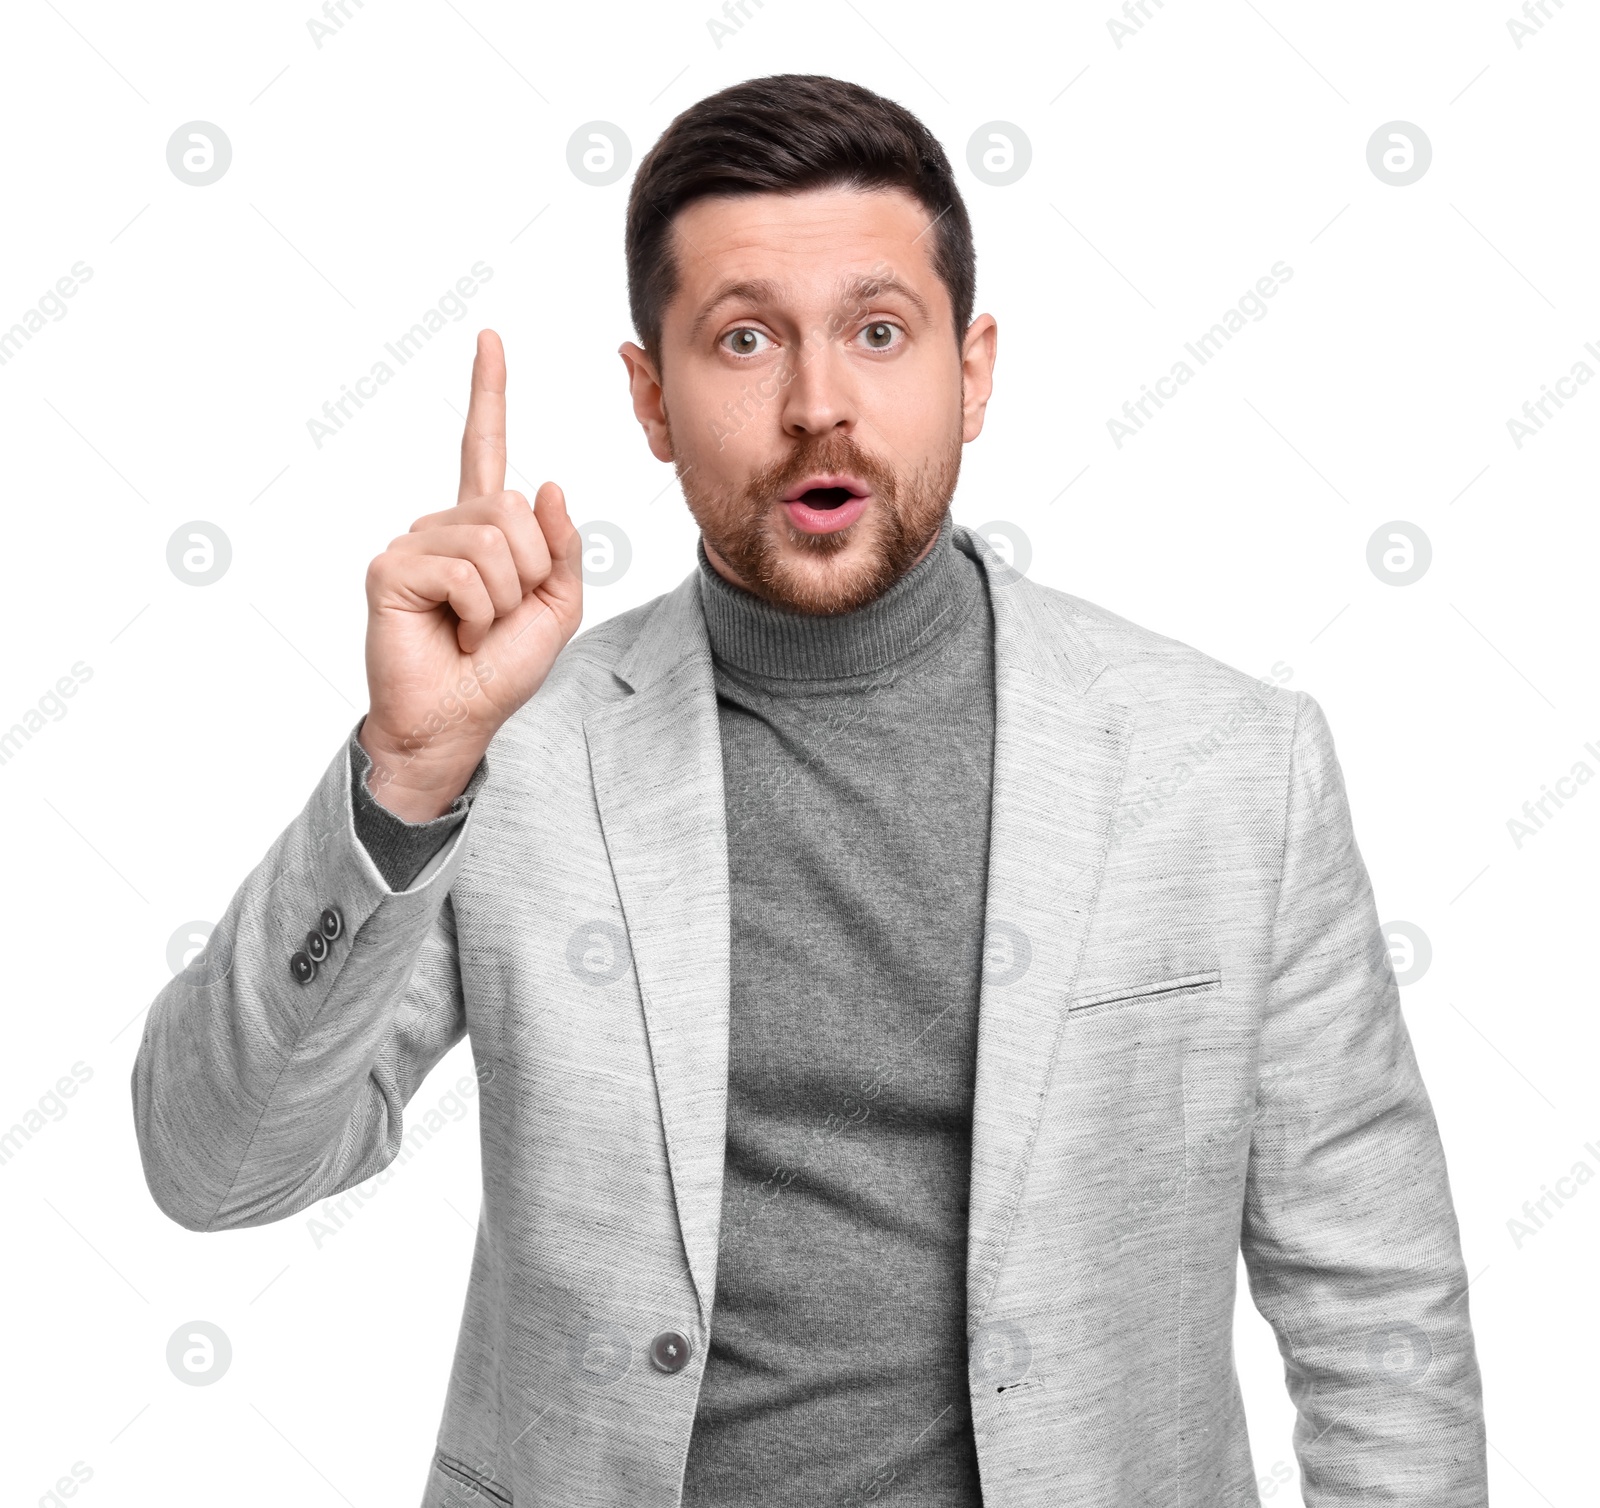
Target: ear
977	374
644	383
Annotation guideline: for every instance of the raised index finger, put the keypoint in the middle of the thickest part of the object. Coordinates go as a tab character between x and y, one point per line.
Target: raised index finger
483	441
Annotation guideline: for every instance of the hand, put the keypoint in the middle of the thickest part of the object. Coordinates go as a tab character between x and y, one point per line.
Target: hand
465	615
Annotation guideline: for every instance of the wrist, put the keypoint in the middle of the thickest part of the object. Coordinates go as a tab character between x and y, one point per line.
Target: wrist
417	778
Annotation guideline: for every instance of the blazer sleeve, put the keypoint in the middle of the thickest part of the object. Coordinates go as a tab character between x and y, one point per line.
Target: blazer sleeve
1349	1235
256	1095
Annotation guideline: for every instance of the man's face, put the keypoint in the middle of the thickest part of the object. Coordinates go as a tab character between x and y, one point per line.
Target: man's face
811	391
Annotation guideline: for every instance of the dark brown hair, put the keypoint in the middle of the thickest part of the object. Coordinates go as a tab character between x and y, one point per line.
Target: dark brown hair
781	135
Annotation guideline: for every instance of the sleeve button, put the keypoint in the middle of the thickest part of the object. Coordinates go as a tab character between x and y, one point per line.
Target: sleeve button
303	969
332	923
316	946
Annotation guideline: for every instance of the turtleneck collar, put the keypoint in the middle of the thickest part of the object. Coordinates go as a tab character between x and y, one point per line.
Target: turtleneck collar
923	606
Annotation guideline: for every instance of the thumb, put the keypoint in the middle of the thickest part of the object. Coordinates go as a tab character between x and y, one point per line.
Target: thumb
564	584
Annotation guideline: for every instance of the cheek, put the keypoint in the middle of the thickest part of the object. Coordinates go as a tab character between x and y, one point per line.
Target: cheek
723	420
915	419
915	396
711	443
728	449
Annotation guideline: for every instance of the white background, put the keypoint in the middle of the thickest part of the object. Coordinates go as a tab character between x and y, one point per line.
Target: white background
371	172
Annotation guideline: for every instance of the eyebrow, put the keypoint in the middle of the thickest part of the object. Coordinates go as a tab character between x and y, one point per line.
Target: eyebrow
764	291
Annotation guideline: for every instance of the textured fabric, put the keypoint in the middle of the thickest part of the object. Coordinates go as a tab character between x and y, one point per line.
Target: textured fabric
1189	1045
857	753
399	848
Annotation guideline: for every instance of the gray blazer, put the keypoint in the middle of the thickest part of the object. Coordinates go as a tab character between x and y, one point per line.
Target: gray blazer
1190	1045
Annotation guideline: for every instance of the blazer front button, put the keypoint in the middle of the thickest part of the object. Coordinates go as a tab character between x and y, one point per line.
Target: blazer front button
669	1351
303	969
332	923
316	946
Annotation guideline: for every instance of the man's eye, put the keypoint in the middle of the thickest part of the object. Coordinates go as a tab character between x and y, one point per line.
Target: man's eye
881	336
743	342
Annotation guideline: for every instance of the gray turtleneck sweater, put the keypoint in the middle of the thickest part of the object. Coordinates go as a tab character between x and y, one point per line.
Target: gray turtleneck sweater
857	763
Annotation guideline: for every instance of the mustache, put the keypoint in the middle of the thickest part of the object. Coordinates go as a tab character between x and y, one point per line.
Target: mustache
819	456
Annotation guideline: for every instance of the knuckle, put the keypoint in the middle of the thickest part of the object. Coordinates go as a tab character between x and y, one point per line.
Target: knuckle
502	508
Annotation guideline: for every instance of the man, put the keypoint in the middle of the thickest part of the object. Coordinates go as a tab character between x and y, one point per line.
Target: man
899	990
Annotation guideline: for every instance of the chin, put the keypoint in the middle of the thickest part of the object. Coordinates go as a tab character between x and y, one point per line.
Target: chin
824	574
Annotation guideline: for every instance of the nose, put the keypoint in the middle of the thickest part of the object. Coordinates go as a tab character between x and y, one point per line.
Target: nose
820	397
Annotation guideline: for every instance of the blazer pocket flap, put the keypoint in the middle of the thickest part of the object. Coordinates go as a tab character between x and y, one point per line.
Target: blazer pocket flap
1181	982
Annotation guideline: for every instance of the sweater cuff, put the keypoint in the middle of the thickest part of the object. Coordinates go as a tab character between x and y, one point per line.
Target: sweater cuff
401	849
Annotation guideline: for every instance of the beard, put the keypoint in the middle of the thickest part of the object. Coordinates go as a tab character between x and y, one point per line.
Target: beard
788	567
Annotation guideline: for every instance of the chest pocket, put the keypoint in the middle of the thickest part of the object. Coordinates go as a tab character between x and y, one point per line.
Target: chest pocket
1161	991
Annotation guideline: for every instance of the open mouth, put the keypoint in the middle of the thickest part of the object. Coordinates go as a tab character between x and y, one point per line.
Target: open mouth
833	490
825	497
826	504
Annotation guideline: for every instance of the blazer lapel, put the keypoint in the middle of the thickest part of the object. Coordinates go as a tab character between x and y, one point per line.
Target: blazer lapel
656	761
1059	760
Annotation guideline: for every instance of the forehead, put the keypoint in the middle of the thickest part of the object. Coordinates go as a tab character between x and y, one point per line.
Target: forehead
807	244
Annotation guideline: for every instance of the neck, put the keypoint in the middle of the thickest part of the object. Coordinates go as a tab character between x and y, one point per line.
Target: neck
749	634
